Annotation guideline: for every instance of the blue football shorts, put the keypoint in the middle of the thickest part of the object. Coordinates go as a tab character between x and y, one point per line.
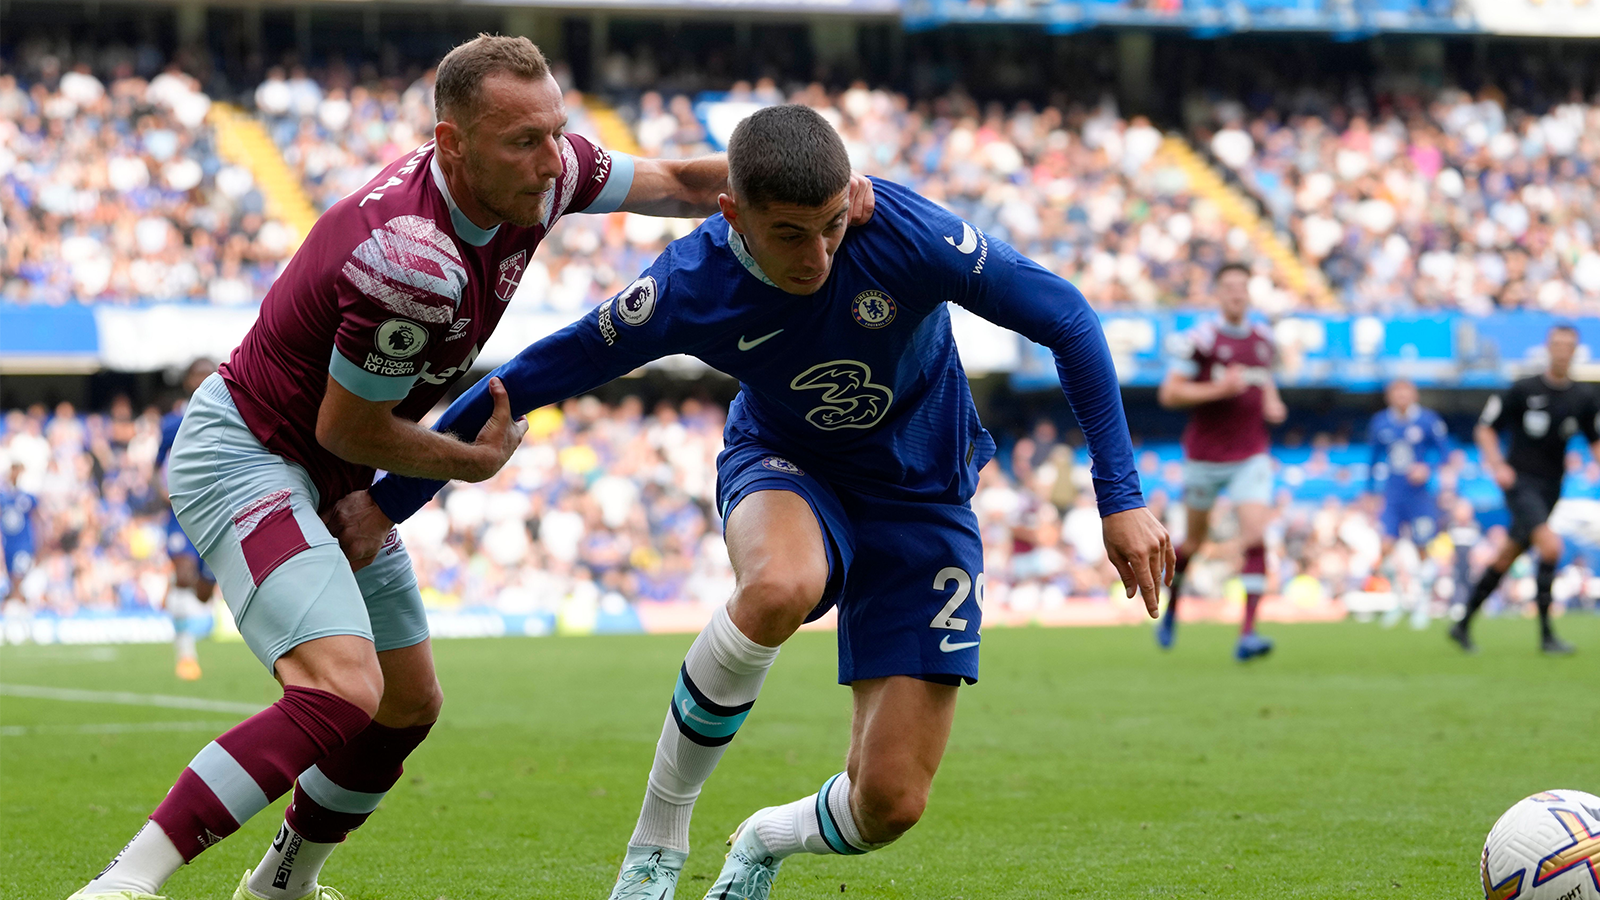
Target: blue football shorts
1414	509
906	576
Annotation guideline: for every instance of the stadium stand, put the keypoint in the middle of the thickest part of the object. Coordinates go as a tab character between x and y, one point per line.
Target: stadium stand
113	191
611	504
1455	202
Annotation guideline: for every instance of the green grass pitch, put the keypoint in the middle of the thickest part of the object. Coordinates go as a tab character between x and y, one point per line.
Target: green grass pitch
1355	762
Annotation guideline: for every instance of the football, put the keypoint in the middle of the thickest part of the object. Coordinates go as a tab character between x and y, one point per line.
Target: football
1546	847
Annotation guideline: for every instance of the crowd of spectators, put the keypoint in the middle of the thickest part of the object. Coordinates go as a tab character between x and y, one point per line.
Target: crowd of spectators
112	189
610	505
1453	203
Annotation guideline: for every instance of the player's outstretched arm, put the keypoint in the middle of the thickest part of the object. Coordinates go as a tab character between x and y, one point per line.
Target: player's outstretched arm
548	371
368	433
690	187
1047	309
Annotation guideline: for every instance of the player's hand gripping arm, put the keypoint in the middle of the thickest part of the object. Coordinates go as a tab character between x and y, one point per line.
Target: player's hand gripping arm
368	433
1049	310
547	372
690	187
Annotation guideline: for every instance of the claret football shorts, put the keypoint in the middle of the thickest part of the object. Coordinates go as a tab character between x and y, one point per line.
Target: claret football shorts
252	514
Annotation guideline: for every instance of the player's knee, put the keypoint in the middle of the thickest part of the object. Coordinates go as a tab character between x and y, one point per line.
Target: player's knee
342	665
416	705
888	808
788	589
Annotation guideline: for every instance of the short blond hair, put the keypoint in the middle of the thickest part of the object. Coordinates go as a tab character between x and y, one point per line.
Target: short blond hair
463	69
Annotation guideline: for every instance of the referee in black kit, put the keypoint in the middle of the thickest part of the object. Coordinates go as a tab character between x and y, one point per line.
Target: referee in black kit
1541	413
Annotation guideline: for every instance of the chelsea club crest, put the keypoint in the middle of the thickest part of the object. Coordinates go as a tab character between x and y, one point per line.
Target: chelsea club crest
873	309
779	464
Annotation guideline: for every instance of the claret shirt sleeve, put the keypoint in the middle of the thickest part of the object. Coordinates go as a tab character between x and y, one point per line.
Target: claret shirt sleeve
601	179
397	292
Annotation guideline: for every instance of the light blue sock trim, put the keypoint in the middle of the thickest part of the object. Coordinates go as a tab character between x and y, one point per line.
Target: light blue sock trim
831	834
227	779
331	796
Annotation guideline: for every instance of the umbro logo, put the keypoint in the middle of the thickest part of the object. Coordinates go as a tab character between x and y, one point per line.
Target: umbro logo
746	344
459	329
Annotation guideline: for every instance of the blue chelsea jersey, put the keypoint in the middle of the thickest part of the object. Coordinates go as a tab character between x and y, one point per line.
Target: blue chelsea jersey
16	518
859	382
1399	441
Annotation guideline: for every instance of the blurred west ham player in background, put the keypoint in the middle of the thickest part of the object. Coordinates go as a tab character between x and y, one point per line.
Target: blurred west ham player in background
1403	436
1221	370
193	583
16	530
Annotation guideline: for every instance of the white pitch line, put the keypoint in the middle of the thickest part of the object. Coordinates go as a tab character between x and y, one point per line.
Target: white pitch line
114	728
125	698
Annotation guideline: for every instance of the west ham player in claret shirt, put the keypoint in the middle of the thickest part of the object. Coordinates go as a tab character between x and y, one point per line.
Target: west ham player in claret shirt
1221	370
1542	413
385	305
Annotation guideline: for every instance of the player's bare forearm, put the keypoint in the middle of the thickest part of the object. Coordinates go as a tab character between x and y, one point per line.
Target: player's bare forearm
1488	446
1494	462
1177	392
1273	408
677	187
368	433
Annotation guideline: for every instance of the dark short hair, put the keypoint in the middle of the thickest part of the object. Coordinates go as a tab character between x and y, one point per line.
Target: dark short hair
463	69
1562	325
1227	267
787	154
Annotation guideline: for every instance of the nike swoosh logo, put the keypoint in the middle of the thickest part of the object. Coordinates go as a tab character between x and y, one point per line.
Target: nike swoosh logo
969	239
948	647
747	344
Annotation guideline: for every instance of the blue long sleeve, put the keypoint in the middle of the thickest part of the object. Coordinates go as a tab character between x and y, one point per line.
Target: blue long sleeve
1050	311
548	371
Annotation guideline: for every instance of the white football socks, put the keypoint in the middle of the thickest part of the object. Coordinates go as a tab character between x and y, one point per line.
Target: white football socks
727	669
290	868
142	867
800	827
183	644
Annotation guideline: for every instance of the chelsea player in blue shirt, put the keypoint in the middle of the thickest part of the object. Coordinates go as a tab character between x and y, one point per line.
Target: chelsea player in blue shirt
851	453
1404	436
